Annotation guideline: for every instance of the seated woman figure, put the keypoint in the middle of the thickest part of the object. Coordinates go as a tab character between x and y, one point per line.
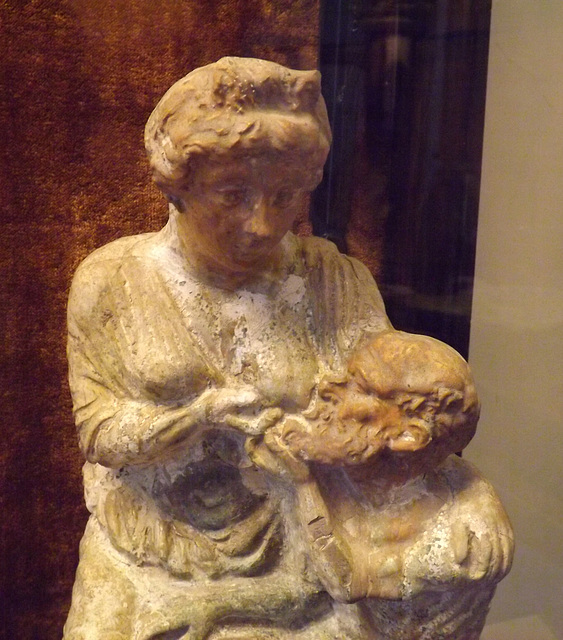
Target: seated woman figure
404	526
185	342
192	350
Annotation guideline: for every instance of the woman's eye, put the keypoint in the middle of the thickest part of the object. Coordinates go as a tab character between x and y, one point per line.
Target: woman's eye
231	197
284	197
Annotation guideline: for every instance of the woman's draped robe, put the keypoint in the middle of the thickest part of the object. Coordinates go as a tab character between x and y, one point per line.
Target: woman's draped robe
149	345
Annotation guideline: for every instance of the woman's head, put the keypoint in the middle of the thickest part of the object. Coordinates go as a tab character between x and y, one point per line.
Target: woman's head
237	108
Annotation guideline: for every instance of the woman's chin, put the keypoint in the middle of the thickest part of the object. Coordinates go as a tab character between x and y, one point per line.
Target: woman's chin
252	258
238	263
239	268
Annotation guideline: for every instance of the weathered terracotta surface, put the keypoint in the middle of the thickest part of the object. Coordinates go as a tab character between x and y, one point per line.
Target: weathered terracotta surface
266	456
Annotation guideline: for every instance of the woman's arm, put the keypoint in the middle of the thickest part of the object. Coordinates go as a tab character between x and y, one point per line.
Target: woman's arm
469	541
121	317
118	431
330	554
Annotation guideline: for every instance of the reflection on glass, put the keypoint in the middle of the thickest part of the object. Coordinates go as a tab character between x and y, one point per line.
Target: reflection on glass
405	85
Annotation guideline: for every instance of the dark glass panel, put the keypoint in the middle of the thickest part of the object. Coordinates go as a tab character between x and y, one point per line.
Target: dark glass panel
405	87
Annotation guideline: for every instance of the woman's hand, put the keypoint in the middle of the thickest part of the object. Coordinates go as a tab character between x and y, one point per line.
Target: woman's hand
243	409
271	453
489	542
470	541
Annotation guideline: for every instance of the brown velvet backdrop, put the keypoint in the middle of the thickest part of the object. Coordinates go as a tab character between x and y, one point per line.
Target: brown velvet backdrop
79	79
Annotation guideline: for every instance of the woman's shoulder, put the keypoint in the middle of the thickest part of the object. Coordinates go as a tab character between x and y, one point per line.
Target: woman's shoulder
315	247
323	258
96	272
346	295
319	251
116	250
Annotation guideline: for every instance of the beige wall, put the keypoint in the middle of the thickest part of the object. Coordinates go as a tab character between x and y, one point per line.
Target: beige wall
517	327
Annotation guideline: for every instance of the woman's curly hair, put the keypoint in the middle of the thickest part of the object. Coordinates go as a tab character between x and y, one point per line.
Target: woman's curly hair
238	106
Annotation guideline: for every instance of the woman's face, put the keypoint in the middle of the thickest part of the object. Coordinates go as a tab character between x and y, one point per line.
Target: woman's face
236	211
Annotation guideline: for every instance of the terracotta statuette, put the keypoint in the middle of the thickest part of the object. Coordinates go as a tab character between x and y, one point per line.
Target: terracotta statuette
266	457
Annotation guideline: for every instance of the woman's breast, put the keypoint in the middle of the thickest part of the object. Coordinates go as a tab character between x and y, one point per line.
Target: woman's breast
169	378
195	337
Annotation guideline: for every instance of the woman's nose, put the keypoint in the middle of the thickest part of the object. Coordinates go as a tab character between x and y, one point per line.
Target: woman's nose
259	222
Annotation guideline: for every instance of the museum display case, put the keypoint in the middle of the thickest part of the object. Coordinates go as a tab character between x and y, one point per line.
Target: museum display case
444	179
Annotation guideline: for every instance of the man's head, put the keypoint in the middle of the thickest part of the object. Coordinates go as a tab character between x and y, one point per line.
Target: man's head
405	404
427	387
